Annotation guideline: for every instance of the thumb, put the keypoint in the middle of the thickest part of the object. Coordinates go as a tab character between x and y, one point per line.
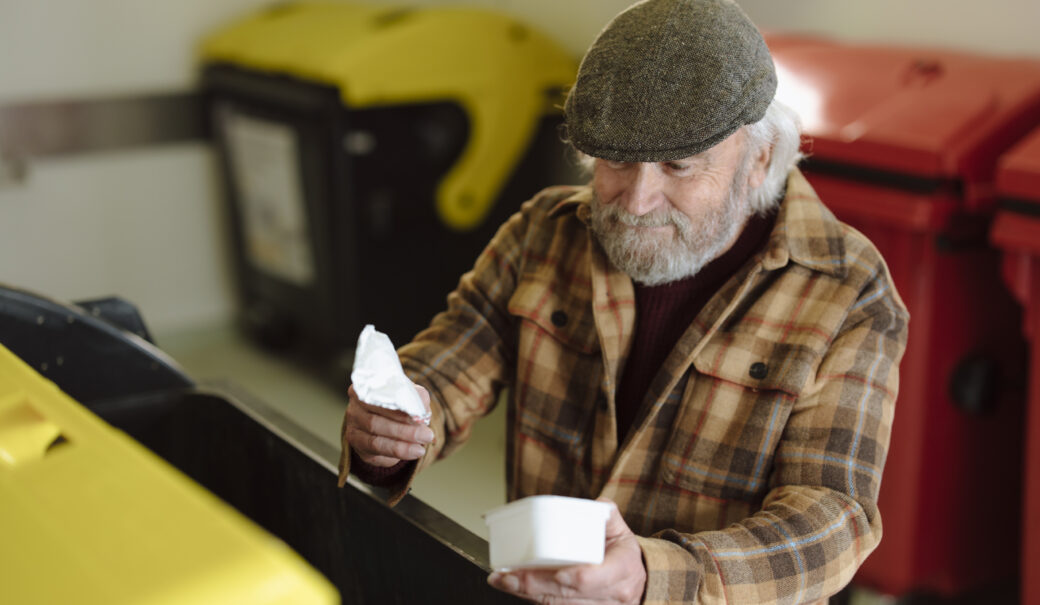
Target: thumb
424	395
616	525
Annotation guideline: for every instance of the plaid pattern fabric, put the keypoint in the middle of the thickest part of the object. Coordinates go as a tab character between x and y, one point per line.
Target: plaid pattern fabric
752	473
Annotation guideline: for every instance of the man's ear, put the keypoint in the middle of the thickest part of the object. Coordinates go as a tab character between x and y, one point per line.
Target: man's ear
760	166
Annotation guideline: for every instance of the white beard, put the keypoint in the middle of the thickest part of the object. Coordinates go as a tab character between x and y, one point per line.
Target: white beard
659	258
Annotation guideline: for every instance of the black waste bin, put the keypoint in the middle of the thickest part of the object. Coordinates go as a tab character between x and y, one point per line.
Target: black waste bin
281	478
370	153
253	458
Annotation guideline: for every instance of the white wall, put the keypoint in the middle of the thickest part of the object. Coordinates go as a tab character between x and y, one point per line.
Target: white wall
145	224
75	48
995	26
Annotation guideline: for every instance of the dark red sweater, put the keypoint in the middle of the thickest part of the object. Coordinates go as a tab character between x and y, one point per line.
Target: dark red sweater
664	312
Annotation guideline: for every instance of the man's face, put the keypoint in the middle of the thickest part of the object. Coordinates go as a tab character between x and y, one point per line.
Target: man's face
663	221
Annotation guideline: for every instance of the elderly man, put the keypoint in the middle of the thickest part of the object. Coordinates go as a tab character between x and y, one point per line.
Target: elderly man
694	336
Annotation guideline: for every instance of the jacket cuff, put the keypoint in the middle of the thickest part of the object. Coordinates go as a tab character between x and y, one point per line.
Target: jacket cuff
396	479
672	573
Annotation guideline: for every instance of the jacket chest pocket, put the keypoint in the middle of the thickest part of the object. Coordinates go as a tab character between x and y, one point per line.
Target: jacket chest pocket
559	369
733	413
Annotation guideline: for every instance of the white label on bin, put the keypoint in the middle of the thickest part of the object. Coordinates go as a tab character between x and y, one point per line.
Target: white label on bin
265	170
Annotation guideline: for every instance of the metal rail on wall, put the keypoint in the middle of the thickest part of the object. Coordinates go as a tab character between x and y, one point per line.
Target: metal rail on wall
65	127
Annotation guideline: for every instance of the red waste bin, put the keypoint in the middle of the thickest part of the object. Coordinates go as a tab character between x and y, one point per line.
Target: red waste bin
1017	231
903	146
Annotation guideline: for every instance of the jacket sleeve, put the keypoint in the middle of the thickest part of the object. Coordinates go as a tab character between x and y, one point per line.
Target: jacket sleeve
466	355
819	519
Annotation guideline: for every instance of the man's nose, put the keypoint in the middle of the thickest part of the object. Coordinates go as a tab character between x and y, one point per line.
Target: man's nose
643	193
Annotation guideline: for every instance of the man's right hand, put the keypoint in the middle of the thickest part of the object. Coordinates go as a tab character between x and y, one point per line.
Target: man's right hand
383	437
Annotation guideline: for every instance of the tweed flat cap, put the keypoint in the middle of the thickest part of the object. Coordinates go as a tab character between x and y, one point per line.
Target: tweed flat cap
667	79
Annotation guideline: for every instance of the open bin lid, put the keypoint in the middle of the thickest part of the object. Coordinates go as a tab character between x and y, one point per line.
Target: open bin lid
931	114
88	515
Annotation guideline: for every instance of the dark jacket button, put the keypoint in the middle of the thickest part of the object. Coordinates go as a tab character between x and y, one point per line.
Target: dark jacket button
758	370
559	319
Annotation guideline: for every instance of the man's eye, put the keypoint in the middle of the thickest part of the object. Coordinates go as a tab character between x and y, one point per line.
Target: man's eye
677	166
616	165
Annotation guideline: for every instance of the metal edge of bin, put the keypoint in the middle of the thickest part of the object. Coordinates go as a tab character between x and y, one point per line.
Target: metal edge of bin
423	516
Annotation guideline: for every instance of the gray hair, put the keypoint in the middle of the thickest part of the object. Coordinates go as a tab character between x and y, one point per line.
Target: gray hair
781	128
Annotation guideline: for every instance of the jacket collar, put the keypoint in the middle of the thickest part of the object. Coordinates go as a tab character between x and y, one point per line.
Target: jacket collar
577	202
806	232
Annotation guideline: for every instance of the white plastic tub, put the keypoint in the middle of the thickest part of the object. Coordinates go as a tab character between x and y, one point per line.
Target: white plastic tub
547	531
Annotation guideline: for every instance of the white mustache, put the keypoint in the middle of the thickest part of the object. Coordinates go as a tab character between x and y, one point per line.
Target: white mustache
651	219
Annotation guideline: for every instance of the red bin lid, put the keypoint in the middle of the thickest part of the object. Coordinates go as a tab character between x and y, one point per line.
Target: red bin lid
1018	173
935	114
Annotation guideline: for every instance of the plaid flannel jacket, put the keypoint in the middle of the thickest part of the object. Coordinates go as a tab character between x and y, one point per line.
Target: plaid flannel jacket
752	474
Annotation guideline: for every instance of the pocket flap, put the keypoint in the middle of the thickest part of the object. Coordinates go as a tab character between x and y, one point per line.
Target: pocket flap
563	313
758	363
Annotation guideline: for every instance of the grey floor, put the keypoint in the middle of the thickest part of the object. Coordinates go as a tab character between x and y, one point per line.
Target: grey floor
463	486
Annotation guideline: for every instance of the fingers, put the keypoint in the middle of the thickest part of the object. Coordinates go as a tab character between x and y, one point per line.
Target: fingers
621	578
380	461
396	415
536	584
383	451
540	586
373	435
392	424
384	437
576	584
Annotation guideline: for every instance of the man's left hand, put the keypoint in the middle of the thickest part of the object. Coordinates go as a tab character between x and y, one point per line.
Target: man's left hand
619	579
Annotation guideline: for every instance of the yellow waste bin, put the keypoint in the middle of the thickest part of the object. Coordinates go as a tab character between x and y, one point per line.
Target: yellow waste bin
88	515
370	153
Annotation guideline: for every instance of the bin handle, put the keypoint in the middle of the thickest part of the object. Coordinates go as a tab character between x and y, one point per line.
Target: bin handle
25	433
501	128
973	384
923	72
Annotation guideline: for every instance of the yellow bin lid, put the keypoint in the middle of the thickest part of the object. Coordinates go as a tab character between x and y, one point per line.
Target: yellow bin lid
94	517
501	72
